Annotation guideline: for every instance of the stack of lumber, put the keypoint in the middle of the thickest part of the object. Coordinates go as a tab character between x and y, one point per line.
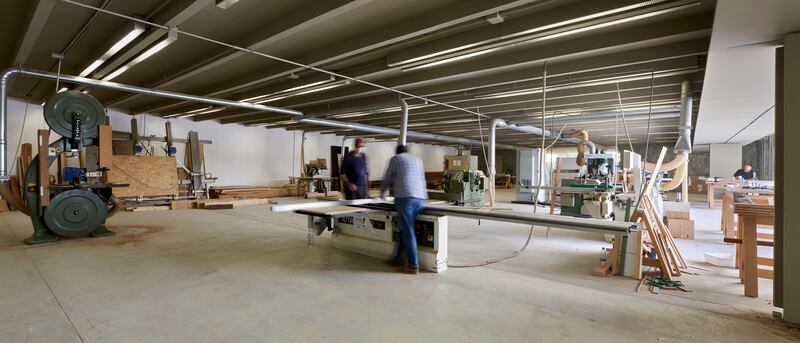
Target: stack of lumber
667	257
23	161
17	183
249	192
198	203
659	249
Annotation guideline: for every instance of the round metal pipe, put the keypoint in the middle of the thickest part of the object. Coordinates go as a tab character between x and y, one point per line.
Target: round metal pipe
403	122
8	73
395	132
684	142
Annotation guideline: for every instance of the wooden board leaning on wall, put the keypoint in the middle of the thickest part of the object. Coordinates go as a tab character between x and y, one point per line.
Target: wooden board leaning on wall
146	175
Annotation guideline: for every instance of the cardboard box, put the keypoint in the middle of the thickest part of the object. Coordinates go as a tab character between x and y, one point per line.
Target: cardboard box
681	228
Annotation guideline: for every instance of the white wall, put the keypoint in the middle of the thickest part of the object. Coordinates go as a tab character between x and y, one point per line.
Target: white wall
726	159
238	155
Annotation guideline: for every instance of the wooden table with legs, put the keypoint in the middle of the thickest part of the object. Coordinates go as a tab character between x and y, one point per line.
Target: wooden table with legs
735	195
751	216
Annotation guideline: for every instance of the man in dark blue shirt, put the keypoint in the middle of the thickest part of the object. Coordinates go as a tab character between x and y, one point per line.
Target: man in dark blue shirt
354	175
746	173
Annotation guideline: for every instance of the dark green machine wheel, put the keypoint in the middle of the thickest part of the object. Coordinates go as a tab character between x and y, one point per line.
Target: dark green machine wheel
75	213
59	109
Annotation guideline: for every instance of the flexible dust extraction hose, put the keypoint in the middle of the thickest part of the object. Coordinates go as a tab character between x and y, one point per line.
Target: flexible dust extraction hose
582	146
677	178
678	161
678	164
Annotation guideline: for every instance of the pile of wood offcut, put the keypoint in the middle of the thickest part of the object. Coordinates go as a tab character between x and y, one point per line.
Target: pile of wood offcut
251	192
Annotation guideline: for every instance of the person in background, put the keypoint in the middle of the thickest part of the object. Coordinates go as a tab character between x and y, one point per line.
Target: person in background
354	175
745	173
406	176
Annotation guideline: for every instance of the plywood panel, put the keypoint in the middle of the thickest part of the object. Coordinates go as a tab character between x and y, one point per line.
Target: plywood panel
146	175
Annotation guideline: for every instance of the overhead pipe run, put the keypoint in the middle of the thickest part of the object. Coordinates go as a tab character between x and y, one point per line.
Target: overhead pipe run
395	132
680	164
493	143
403	122
8	73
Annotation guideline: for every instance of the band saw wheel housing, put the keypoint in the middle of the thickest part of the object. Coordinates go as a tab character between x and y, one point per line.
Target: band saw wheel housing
75	213
59	109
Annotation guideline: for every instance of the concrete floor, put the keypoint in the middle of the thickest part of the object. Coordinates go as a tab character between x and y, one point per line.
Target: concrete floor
247	275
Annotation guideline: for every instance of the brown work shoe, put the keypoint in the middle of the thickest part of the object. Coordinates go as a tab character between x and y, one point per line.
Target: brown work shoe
409	270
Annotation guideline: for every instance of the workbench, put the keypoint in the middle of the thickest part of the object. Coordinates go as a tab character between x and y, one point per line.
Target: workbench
710	188
738	194
748	239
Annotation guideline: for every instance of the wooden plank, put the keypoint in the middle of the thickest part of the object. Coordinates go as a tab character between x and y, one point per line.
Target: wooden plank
146	175
759	243
656	169
44	167
105	147
749	256
235	203
218	206
149	208
765	261
766	273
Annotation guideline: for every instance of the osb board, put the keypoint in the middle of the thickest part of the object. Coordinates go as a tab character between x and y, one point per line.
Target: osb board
146	175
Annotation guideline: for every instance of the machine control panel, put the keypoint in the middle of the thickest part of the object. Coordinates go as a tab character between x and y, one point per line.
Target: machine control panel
423	230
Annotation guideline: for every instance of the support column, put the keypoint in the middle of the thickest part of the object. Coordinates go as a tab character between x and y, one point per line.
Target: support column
787	185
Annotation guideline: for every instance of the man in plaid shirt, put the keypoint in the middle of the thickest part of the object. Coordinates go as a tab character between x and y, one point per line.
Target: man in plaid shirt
406	176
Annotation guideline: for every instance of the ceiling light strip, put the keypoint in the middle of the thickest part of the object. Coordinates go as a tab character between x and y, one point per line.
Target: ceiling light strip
508	43
137	30
275	58
171	37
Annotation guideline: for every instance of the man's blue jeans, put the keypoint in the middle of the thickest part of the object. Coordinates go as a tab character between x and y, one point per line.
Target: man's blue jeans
407	209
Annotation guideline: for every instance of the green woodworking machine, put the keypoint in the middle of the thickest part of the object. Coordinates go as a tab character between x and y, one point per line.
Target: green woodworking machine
79	200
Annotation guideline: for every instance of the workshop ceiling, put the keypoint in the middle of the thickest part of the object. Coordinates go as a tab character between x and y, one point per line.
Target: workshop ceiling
740	85
486	56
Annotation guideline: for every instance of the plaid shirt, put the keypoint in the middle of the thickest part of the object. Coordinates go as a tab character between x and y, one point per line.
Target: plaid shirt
406	175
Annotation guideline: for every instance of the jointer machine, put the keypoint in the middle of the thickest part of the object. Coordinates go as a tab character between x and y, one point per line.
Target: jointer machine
80	201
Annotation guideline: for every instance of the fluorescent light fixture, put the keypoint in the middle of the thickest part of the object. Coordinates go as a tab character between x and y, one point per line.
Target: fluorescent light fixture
225	4
171	37
306	90
196	112
587	83
379	110
529	31
510	40
455	121
285	122
137	30
91	67
451	59
340	83
285	91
